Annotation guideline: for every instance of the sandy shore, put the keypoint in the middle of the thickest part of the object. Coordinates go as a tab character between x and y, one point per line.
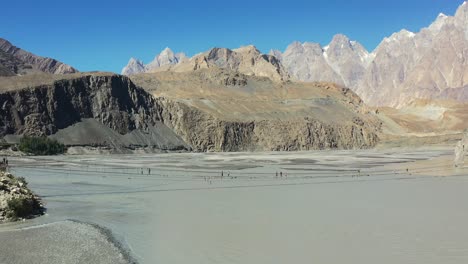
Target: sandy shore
61	242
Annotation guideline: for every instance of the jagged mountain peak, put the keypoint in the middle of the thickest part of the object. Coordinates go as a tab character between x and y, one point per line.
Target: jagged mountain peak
133	66
278	54
340	39
247	49
341	43
462	11
167	50
165	57
399	36
312	45
295	45
442	15
134	61
306	47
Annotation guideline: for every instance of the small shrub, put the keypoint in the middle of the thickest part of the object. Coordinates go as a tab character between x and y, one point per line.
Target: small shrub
41	146
20	207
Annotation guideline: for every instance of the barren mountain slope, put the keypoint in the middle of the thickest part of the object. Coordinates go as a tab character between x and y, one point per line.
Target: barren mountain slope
20	61
256	113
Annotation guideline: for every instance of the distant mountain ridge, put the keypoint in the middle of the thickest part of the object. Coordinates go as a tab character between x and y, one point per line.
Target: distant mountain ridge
430	64
16	61
166	57
247	60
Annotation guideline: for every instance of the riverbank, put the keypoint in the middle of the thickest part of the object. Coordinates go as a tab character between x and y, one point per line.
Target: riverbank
17	201
62	242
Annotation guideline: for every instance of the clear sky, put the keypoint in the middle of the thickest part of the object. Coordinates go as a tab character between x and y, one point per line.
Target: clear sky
103	35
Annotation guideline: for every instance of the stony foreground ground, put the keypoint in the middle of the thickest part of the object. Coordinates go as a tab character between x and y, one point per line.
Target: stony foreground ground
17	201
61	242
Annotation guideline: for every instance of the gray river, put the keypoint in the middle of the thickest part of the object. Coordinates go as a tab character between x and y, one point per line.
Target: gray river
296	207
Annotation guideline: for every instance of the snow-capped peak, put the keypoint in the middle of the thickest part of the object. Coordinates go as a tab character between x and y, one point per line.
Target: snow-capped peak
408	34
400	35
442	15
134	61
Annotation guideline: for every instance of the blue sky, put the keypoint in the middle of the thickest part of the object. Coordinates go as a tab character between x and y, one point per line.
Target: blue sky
103	35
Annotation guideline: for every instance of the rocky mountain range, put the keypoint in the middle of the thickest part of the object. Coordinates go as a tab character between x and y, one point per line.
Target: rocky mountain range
407	66
166	57
247	60
16	61
430	64
244	100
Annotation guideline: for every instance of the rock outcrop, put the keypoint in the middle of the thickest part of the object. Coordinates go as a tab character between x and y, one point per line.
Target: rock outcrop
16	199
20	62
204	132
43	110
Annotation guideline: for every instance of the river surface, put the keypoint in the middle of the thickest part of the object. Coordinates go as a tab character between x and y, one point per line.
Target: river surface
296	207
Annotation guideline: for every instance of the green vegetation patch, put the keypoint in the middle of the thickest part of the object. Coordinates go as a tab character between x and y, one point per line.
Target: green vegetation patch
41	146
21	207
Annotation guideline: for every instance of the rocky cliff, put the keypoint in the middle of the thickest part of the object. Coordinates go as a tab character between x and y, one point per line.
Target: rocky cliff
110	110
43	110
22	62
217	110
92	109
205	132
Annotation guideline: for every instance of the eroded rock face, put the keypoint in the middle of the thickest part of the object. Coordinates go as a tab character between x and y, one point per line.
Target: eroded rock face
111	99
205	132
25	61
70	108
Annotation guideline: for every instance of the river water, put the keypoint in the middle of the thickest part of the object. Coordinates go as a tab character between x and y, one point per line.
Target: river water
295	207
